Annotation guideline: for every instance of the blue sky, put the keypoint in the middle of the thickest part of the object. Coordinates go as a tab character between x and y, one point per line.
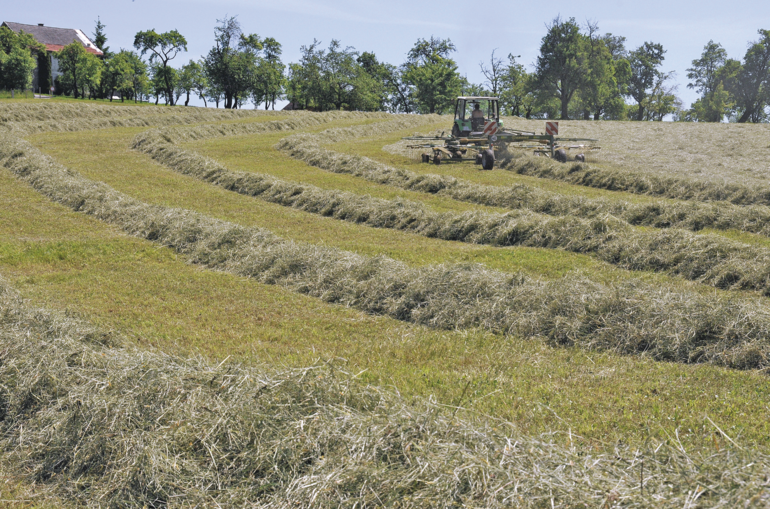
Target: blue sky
390	29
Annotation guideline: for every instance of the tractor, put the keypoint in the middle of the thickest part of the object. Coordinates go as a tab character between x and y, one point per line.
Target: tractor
477	131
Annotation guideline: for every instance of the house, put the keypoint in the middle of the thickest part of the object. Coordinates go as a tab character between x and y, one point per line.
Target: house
54	40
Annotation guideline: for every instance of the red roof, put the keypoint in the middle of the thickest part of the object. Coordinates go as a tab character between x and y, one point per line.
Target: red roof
59	47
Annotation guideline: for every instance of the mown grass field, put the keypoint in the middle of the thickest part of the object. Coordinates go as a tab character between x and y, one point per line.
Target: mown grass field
590	399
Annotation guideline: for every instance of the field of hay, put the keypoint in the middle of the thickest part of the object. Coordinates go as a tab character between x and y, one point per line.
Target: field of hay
245	308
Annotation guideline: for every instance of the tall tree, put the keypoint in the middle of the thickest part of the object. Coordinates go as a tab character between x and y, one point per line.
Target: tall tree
192	79
561	68
494	73
162	48
71	64
270	72
512	84
433	75
380	73
138	74
17	62
118	75
100	38
751	87
708	75
644	62
231	64
662	99
607	75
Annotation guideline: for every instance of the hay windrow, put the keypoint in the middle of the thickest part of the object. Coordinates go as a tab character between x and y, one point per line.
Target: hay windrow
629	317
652	185
300	120
104	425
709	259
60	120
47	111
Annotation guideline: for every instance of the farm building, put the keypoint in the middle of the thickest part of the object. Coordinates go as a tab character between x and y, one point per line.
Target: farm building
54	39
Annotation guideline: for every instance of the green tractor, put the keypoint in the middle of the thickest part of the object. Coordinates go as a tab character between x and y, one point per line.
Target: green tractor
473	114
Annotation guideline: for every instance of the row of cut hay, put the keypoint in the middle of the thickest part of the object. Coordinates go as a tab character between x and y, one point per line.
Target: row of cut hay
709	259
630	317
639	183
104	425
47	110
299	120
180	117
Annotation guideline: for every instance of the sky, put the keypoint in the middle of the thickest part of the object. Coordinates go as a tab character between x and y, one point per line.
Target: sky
390	29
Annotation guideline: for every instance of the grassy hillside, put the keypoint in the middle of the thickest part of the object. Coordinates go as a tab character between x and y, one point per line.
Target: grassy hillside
171	249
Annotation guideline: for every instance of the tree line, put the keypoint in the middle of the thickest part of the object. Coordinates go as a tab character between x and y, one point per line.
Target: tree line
579	73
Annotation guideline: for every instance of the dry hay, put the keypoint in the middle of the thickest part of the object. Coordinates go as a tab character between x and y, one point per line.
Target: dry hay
299	120
629	317
46	111
709	259
68	118
686	161
90	420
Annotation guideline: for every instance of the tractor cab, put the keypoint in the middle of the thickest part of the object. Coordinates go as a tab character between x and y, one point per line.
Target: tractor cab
472	114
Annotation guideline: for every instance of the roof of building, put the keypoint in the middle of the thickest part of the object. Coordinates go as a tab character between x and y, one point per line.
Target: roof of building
55	38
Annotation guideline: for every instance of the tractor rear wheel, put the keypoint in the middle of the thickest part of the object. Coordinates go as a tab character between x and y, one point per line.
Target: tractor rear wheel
488	159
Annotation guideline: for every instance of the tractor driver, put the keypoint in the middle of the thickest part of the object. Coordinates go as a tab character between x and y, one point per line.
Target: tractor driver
477	112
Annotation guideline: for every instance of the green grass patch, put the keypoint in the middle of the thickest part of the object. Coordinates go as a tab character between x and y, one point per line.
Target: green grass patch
105	156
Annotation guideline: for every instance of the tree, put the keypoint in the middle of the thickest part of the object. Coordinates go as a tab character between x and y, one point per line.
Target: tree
751	86
138	74
100	41
494	73
162	48
399	90
708	74
644	62
561	67
662	100
433	75
192	79
160	77
71	64
704	71
17	62
231	64
100	38
380	73
607	75
270	72
333	78
118	75
345	82
512	86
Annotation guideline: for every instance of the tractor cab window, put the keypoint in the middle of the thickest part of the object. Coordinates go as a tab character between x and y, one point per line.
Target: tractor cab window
491	112
460	111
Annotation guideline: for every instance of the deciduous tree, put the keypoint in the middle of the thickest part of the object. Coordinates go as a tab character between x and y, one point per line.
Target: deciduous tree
163	48
231	64
644	62
433	75
17	62
751	87
562	68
